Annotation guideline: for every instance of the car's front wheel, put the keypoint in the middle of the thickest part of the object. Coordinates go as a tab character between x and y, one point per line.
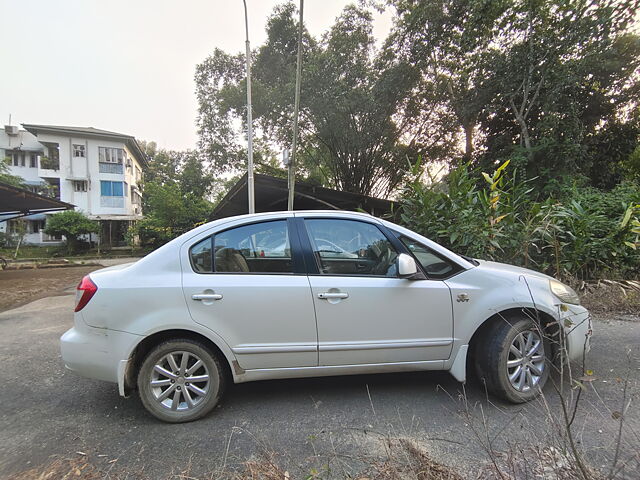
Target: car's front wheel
180	381
513	359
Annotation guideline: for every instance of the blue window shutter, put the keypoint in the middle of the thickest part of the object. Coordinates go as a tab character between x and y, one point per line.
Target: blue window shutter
117	189
105	188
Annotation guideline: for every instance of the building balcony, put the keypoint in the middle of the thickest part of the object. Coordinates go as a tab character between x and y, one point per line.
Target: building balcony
48	167
112	202
105	167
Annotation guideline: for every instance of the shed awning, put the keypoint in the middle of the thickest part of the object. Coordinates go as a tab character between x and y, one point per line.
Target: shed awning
271	196
17	202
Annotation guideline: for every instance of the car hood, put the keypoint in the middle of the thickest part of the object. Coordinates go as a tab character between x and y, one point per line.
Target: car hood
504	267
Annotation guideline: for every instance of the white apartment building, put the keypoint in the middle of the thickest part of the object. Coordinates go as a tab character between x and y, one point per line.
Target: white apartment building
98	171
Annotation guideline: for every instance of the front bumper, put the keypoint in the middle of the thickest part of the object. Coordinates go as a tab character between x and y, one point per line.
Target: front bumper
577	324
97	352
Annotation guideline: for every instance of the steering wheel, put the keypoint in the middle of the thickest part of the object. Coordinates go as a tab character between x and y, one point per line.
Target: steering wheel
383	262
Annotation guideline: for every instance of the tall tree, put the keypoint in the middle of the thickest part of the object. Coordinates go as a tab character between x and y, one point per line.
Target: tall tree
359	122
530	80
177	192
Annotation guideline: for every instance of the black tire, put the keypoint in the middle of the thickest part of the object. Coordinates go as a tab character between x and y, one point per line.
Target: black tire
494	351
199	404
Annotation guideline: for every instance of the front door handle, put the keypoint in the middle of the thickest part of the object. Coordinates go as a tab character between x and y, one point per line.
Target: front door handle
207	296
330	295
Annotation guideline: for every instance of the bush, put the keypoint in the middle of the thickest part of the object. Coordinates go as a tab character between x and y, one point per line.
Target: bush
71	224
585	233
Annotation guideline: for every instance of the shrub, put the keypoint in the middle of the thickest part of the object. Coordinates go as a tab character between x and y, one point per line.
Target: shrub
71	224
585	233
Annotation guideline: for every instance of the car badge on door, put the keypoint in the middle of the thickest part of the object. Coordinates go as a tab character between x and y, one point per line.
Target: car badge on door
463	297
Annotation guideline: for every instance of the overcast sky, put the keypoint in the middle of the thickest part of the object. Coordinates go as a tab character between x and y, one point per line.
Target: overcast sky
126	65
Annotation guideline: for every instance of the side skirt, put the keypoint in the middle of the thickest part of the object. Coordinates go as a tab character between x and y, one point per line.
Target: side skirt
327	371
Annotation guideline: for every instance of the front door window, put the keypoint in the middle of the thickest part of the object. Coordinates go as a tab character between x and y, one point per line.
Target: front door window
347	247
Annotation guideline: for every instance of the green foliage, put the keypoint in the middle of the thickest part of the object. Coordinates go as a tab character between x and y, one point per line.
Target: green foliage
71	224
631	165
176	189
584	233
6	177
171	213
359	121
548	85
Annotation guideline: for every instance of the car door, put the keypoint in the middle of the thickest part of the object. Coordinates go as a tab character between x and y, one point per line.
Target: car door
247	284
365	313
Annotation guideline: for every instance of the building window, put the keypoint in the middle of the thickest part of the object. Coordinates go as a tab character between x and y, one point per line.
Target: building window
110	155
111	189
111	160
126	189
33	160
79	185
18	159
14	227
136	199
34	226
52	160
78	150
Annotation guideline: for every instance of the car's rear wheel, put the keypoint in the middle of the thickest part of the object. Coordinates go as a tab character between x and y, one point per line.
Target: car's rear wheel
513	359
180	381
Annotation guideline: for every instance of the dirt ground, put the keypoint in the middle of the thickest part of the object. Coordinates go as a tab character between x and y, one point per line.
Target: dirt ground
19	287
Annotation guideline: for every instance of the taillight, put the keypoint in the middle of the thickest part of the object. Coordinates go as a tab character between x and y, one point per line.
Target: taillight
85	290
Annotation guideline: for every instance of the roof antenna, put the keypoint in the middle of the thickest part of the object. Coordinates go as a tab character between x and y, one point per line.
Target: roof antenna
9	119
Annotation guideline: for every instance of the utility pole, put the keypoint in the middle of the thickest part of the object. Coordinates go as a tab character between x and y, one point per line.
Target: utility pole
296	106
250	183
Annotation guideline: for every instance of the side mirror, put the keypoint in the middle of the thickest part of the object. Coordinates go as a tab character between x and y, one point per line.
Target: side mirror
406	266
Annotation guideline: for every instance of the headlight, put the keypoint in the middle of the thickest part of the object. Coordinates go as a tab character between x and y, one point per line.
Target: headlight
564	292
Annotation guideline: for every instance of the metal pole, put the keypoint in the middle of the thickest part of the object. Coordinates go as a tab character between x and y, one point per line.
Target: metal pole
250	184
296	106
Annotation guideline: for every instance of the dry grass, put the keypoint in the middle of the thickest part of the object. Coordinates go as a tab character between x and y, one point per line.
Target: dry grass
608	296
409	460
61	469
405	460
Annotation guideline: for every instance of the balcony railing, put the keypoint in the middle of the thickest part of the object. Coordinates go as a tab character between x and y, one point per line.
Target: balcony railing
44	237
112	202
110	167
47	163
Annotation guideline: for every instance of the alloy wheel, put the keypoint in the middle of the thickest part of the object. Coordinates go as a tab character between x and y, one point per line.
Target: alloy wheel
526	361
180	381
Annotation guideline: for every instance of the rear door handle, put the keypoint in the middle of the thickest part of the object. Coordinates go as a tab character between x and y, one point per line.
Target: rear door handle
328	295
207	296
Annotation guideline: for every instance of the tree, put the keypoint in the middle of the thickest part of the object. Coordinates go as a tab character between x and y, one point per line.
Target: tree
176	192
449	41
71	224
6	177
359	122
531	81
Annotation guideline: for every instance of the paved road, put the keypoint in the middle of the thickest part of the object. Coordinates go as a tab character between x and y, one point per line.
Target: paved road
47	411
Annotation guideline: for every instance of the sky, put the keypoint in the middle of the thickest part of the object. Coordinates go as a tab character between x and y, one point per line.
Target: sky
127	65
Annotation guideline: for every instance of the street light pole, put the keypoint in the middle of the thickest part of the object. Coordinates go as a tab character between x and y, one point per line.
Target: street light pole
250	183
296	106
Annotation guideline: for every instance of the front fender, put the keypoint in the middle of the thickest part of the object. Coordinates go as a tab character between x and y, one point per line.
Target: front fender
479	294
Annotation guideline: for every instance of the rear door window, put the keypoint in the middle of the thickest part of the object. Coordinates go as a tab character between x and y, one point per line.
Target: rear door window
255	248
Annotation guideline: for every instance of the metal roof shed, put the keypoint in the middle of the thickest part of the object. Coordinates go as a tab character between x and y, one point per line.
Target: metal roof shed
17	202
271	196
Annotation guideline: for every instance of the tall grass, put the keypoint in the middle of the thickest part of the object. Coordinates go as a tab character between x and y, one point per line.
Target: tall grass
584	233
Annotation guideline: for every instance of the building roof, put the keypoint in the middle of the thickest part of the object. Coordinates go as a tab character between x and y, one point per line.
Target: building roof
17	202
271	196
90	132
